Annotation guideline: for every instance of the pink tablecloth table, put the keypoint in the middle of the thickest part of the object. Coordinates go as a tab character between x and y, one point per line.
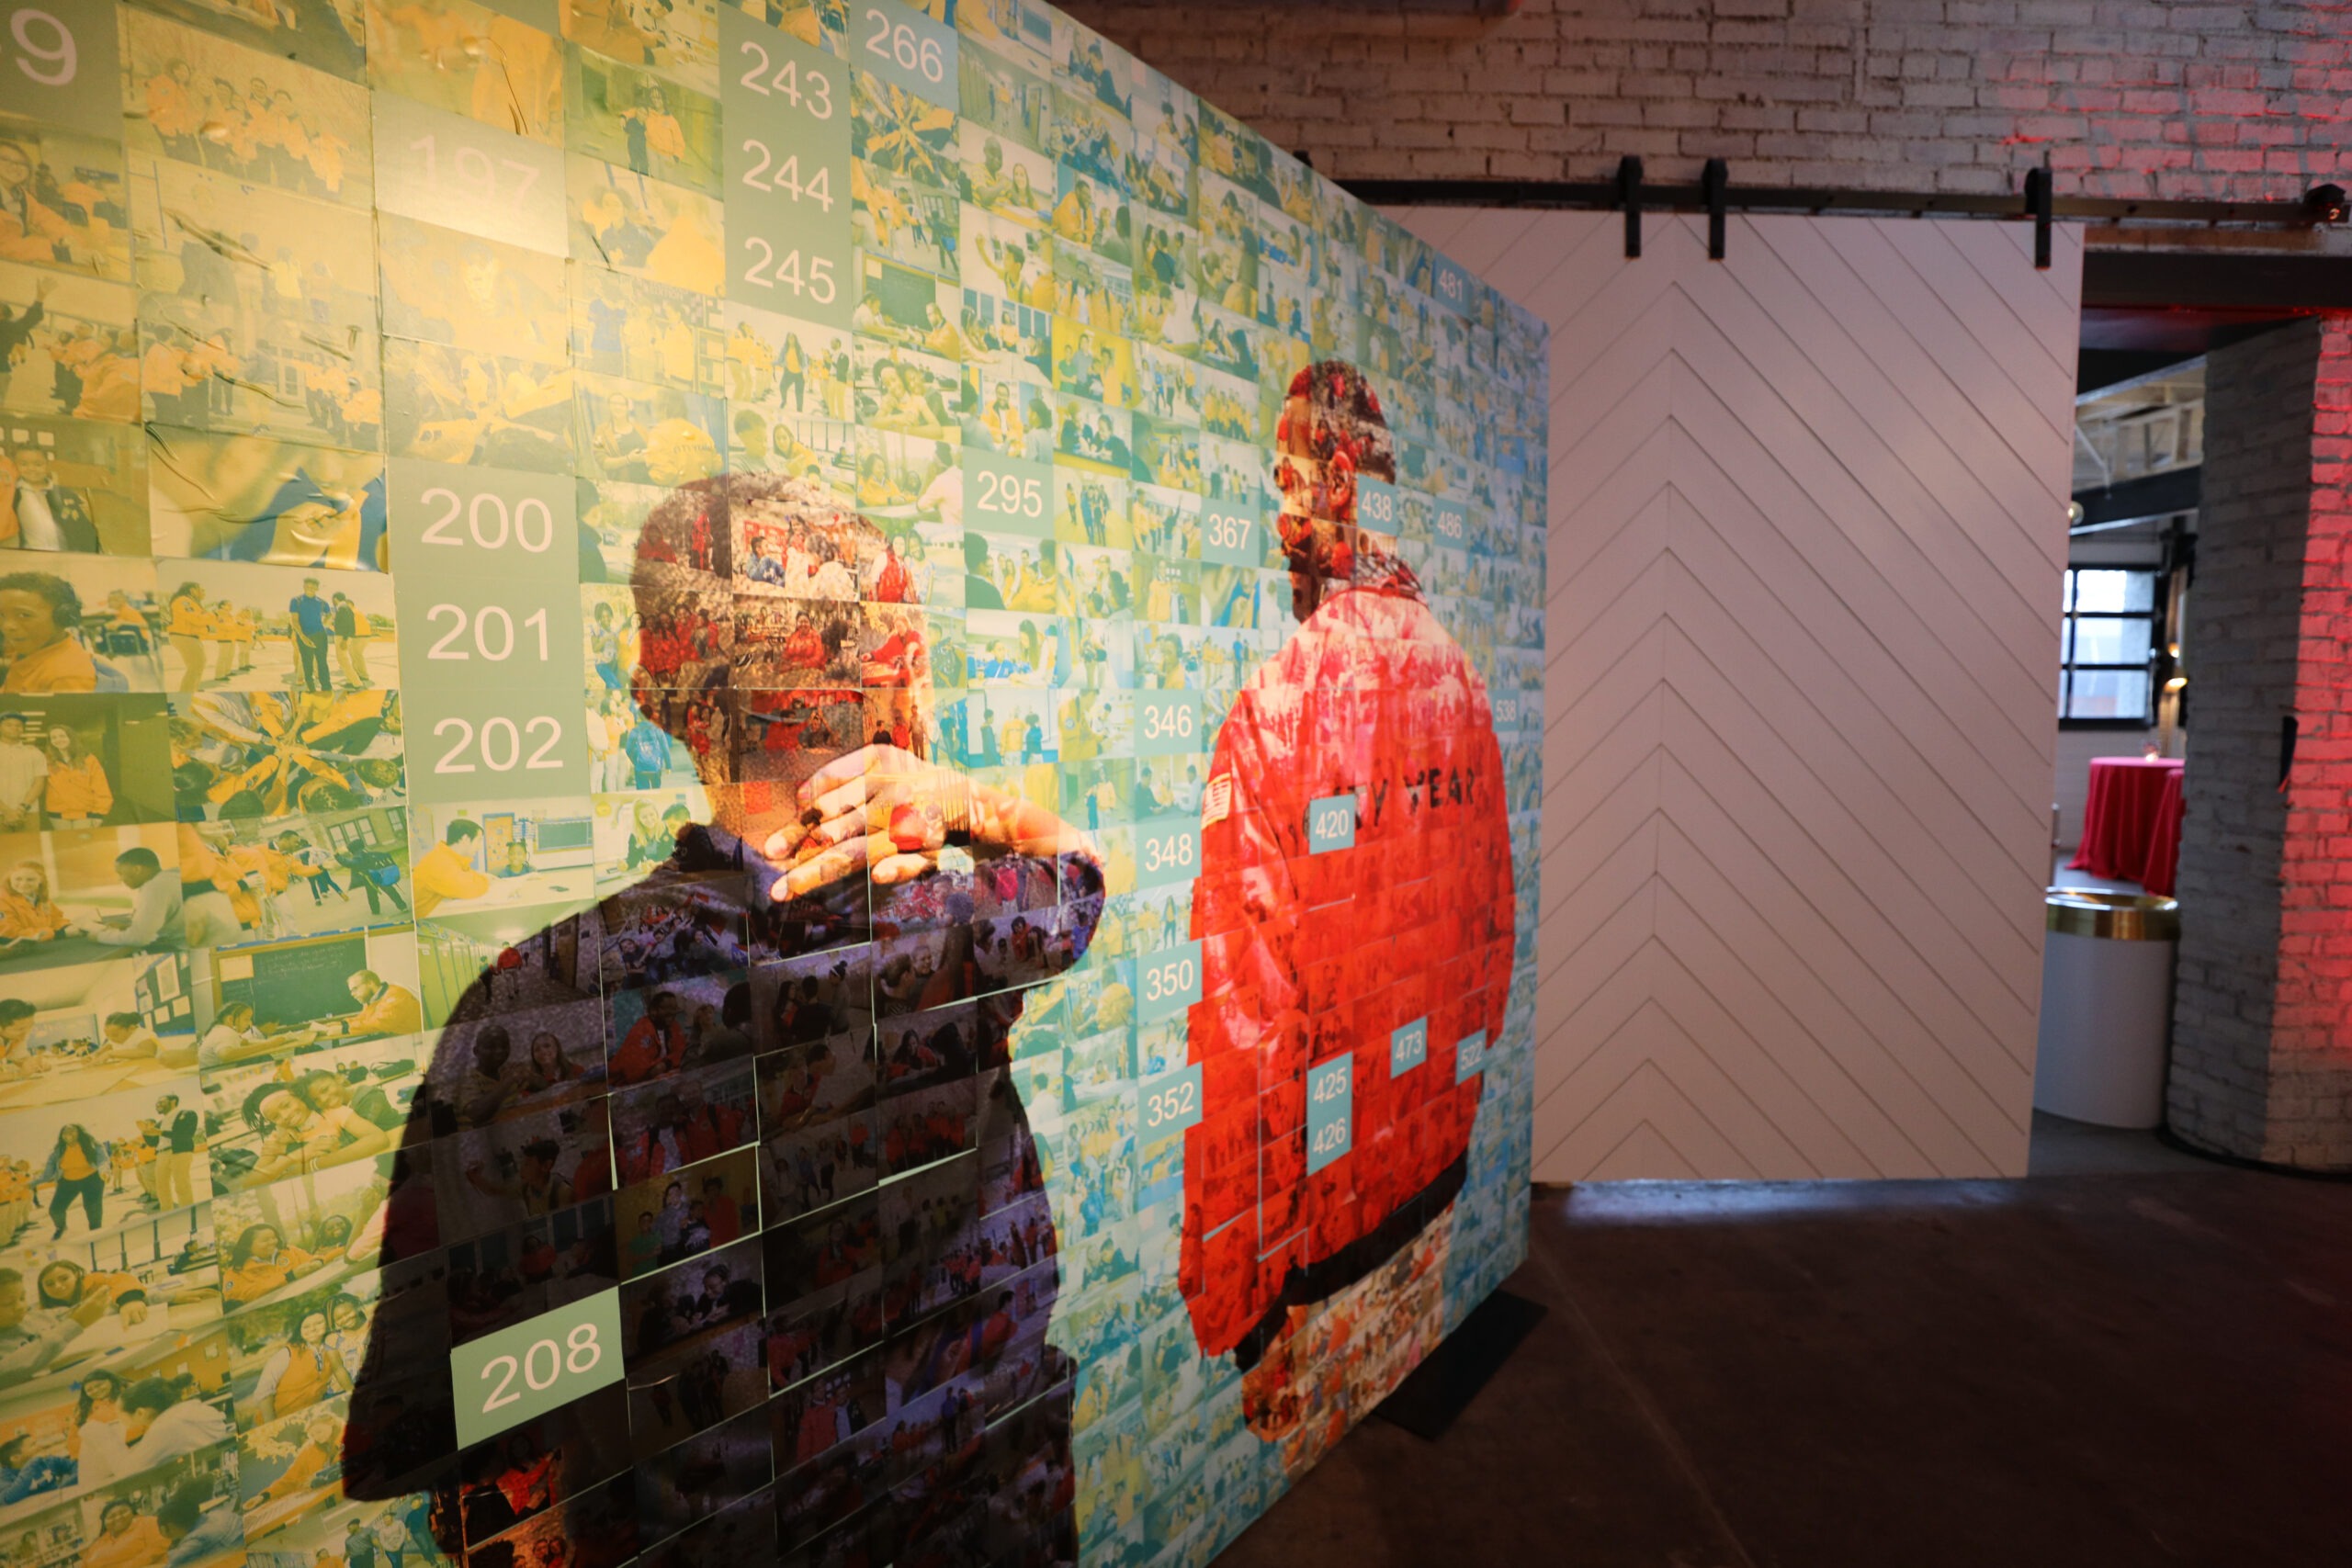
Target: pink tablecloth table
2132	821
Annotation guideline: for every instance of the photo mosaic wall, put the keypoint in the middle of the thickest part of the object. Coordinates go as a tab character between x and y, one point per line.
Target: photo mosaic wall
768	789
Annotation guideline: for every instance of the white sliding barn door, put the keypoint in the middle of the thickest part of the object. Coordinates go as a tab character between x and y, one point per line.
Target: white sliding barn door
1807	527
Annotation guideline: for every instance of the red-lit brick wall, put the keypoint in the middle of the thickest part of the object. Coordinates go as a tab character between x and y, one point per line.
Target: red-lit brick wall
2261	1051
2310	1091
2126	97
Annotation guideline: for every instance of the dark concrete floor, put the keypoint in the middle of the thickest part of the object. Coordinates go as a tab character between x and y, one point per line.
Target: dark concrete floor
2062	1147
2086	1370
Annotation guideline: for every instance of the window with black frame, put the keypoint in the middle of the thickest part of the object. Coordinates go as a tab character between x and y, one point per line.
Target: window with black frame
2108	640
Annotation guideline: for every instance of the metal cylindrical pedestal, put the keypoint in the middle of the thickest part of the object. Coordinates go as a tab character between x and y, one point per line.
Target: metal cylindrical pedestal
2105	1006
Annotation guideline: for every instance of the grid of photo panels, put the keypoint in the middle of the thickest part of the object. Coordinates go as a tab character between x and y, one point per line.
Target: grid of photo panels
948	976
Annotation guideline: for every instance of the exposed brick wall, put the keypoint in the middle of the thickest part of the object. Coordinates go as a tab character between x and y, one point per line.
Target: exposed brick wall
2242	646
2126	97
2309	1110
2262	1061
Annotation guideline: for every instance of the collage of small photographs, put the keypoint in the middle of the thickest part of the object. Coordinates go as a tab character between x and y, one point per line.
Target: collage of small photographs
769	787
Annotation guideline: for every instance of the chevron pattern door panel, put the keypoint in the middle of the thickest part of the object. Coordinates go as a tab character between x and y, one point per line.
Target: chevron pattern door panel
1807	529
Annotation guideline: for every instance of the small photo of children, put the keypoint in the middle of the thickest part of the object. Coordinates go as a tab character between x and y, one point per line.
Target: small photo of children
69	484
83	761
88	1184
649	124
902	218
679	40
1166	120
291	1465
249	754
79	624
259	314
633	750
488	854
682	1119
193	375
473	60
595	1529
1021	262
1008	407
309	1233
448	405
68	346
907	392
907	308
647	228
1005	86
447	287
645	331
116	1293
540	1264
68	1033
264	629
77	896
687	1213
786	368
683	633
502	958
612	518
1094	292
709	1292
272	1120
513	1171
540	1464
152	1517
324	33
696	1384
899	476
517	1067
635	832
293	877
640	433
1000	175
260	117
61	201
905	134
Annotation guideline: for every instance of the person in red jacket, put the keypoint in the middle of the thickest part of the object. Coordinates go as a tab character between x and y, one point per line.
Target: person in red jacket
655	1044
1373	972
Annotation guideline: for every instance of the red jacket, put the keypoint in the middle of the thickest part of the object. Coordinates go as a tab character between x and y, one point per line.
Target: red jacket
1309	957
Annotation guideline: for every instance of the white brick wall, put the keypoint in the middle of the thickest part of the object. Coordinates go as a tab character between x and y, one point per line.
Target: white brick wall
2126	97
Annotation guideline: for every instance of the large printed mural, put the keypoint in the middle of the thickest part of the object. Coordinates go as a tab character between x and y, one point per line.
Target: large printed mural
768	790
